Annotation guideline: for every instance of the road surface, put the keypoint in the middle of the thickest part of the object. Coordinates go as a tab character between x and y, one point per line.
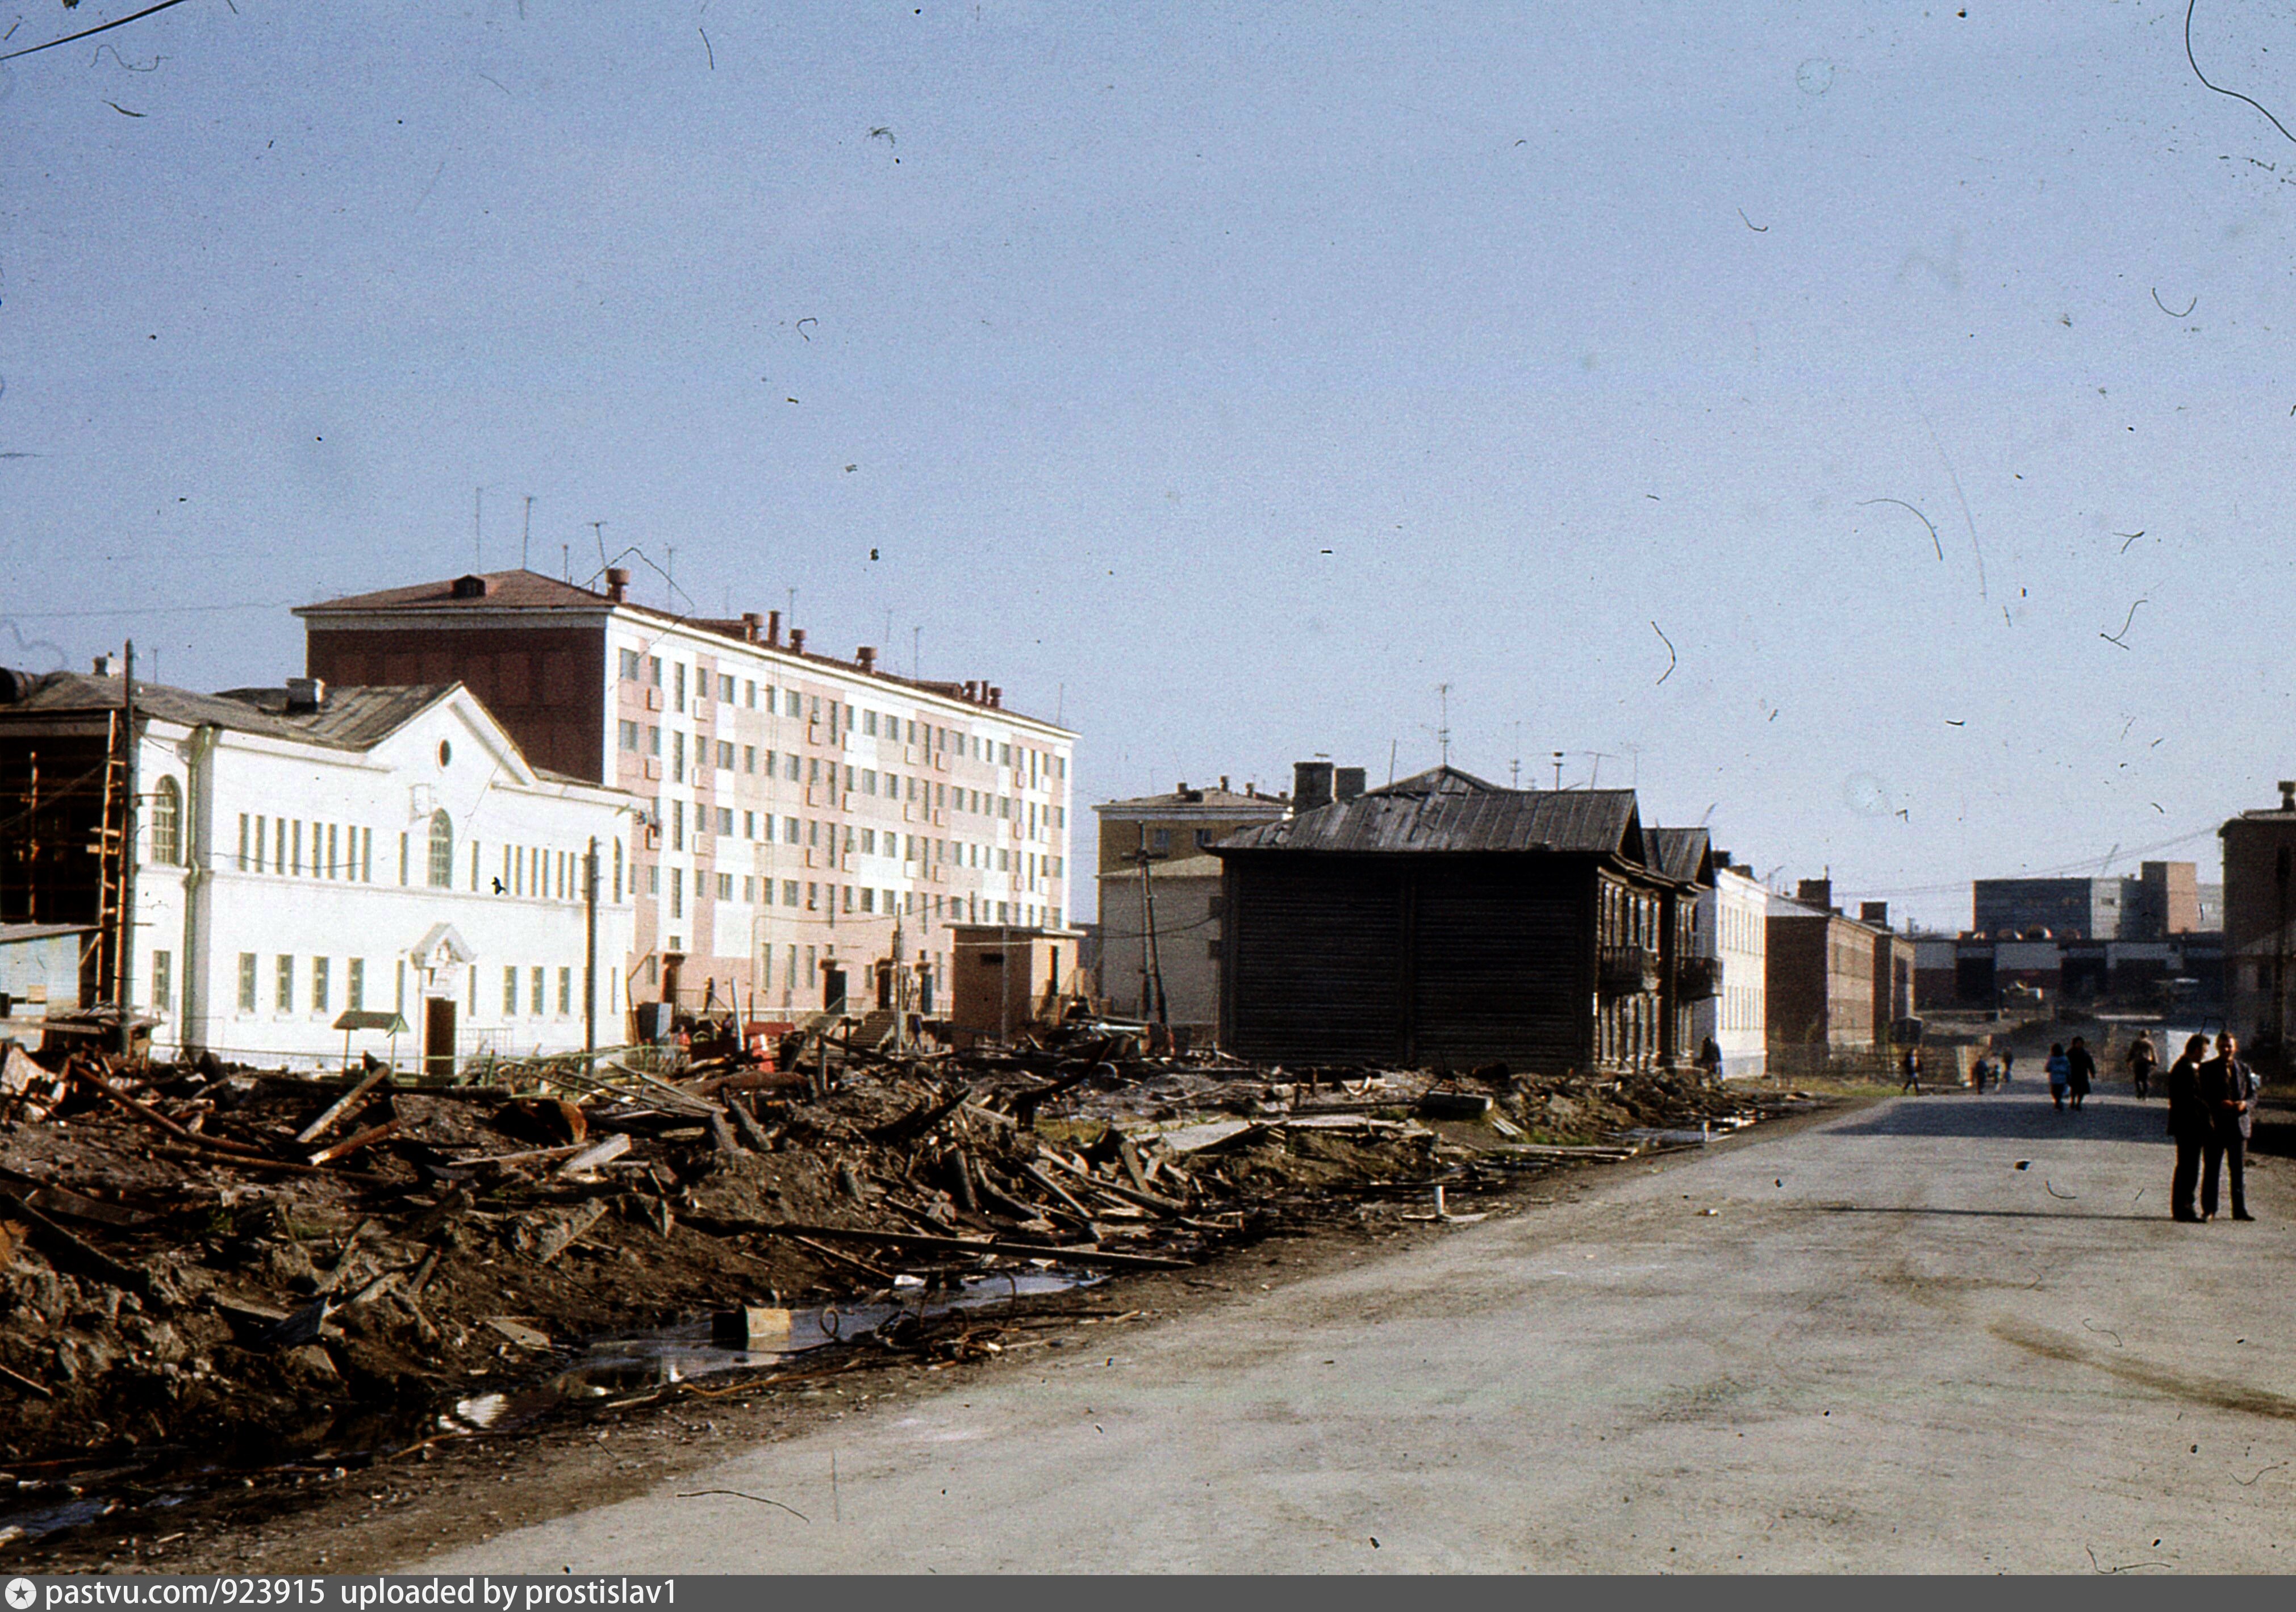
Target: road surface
1873	1344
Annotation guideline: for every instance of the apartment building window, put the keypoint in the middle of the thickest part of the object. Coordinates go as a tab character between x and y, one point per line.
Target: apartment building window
282	996
535	990
725	886
653	880
354	984
749	695
789	766
247	982
629	736
868	781
749	889
868	900
618	872
292	863
677	892
750	758
166	823
725	755
868	842
750	825
442	850
565	991
403	842
243	842
677	754
654	741
789	891
726	820
509	993
633	665
678	683
677	826
366	856
334	848
848	897
812	896
318	984
653	670
792	703
162	980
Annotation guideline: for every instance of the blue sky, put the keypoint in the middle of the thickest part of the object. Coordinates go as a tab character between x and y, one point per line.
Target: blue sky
1228	378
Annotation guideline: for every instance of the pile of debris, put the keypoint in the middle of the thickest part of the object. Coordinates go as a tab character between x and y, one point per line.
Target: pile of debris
206	1266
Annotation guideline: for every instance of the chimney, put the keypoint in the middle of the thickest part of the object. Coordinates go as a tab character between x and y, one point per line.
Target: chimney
868	656
617	584
1311	785
1347	782
797	640
996	699
1223	789
1180	788
752	622
1815	893
2288	794
305	695
1875	912
774	628
103	666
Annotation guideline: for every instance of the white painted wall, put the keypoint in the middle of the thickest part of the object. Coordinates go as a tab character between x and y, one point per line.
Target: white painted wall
1736	913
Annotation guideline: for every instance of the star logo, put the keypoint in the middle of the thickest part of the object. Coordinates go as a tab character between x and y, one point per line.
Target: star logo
21	1593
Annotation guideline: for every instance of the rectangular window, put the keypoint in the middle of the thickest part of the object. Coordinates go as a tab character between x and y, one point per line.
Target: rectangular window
868	781
749	695
354	984
243	842
868	899
509	993
725	886
534	994
725	755
162	981
653	880
677	754
792	703
333	863
402	858
750	889
282	995
848	897
868	842
247	982
789	766
654	741
869	724
653	670
295	848
750	758
726	689
629	737
566	987
633	665
366	856
318	984
749	825
812	896
789	831
789	892
726	820
677	892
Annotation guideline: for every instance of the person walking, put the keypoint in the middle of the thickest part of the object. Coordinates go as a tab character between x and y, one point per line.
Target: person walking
2190	1125
2229	1087
2008	1066
2080	1070
1911	1069
2060	1073
2143	1062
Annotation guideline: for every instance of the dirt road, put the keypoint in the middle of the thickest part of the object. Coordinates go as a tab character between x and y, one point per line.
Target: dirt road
1874	1344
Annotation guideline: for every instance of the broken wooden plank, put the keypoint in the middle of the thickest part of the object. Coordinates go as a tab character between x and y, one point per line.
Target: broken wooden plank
352	1144
591	1157
343	1105
968	1245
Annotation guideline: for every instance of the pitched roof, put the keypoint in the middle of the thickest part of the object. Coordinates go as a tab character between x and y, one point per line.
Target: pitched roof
1685	855
349	719
1449	810
501	591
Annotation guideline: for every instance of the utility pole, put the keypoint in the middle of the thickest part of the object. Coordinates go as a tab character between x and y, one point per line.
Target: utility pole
590	949
1152	960
125	975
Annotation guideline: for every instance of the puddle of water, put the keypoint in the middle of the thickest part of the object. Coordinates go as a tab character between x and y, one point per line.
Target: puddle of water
42	1521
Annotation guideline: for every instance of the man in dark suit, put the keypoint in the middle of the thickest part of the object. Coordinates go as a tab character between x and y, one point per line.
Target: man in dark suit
2229	1087
2191	1124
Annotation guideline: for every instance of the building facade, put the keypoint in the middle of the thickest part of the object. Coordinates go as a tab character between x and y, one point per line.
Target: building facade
2164	899
2259	938
1736	1016
1820	976
304	851
808	820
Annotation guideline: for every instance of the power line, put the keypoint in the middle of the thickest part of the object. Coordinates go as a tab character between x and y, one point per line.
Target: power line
34	50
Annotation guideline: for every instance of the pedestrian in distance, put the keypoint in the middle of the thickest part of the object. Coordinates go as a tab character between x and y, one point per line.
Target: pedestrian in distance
1980	1071
1709	1059
1911	1069
2190	1126
2060	1073
2143	1062
2229	1087
2008	1066
2080	1070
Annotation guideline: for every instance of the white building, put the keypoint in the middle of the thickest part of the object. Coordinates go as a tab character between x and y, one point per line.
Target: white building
1736	913
1186	958
306	851
801	809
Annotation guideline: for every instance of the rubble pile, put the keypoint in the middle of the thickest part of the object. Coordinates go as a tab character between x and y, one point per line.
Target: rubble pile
217	1268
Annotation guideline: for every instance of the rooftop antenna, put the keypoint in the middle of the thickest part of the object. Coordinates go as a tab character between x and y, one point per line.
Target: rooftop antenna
525	532
1443	731
1390	759
1514	768
566	560
478	508
1600	757
598	530
1558	772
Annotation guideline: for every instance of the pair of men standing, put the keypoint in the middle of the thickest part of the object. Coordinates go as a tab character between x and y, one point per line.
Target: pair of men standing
2211	1107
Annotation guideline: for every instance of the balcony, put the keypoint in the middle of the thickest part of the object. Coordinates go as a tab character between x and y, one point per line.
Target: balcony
1628	970
1698	979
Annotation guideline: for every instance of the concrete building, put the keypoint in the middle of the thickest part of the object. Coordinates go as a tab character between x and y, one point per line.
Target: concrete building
1736	915
2165	898
1170	834
1831	979
807	817
302	851
1978	973
2259	900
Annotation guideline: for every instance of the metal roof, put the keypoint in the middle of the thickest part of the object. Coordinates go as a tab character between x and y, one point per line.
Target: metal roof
16	934
349	718
1682	854
1449	810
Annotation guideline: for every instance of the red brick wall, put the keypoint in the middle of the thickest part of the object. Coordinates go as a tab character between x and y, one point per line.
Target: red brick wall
545	684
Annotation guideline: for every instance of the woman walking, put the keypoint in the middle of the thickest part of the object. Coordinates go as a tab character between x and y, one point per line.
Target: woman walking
2143	1061
2060	1073
2080	1070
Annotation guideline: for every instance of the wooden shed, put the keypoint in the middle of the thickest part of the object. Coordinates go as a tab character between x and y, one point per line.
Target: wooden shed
1444	921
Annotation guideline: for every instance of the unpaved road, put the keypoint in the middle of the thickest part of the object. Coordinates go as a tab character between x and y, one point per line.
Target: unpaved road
1872	1344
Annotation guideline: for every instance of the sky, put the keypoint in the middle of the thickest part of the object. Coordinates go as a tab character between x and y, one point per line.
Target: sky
1867	429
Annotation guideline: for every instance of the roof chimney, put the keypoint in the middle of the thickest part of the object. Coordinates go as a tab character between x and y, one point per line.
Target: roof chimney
1311	785
103	666
996	700
2288	794
797	640
617	584
1815	893
1875	912
1223	789
752	623
774	628
305	695
1346	783
867	655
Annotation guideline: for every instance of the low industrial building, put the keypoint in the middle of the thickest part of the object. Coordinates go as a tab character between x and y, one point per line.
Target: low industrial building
1444	920
298	852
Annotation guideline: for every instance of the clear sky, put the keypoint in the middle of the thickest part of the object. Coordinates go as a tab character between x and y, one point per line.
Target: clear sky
1224	379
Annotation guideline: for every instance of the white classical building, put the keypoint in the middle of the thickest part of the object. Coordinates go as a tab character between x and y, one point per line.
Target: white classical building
307	851
1736	913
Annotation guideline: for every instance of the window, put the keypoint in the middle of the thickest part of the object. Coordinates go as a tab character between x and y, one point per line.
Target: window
848	897
750	759
318	984
677	754
617	870
677	826
868	781
292	863
534	995
633	665
629	736
509	993
677	892
243	842
725	755
726	689
653	670
442	850
166	823
868	842
750	889
749	825
653	880
749	696
725	820
162	981
653	742
354	984
334	846
789	831
366	856
678	683
283	985
566	980
812	896
725	886
869	724
868	899
792	703
789	892
402	858
247	982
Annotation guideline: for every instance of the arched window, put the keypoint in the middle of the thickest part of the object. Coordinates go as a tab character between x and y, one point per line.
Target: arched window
167	822
442	850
